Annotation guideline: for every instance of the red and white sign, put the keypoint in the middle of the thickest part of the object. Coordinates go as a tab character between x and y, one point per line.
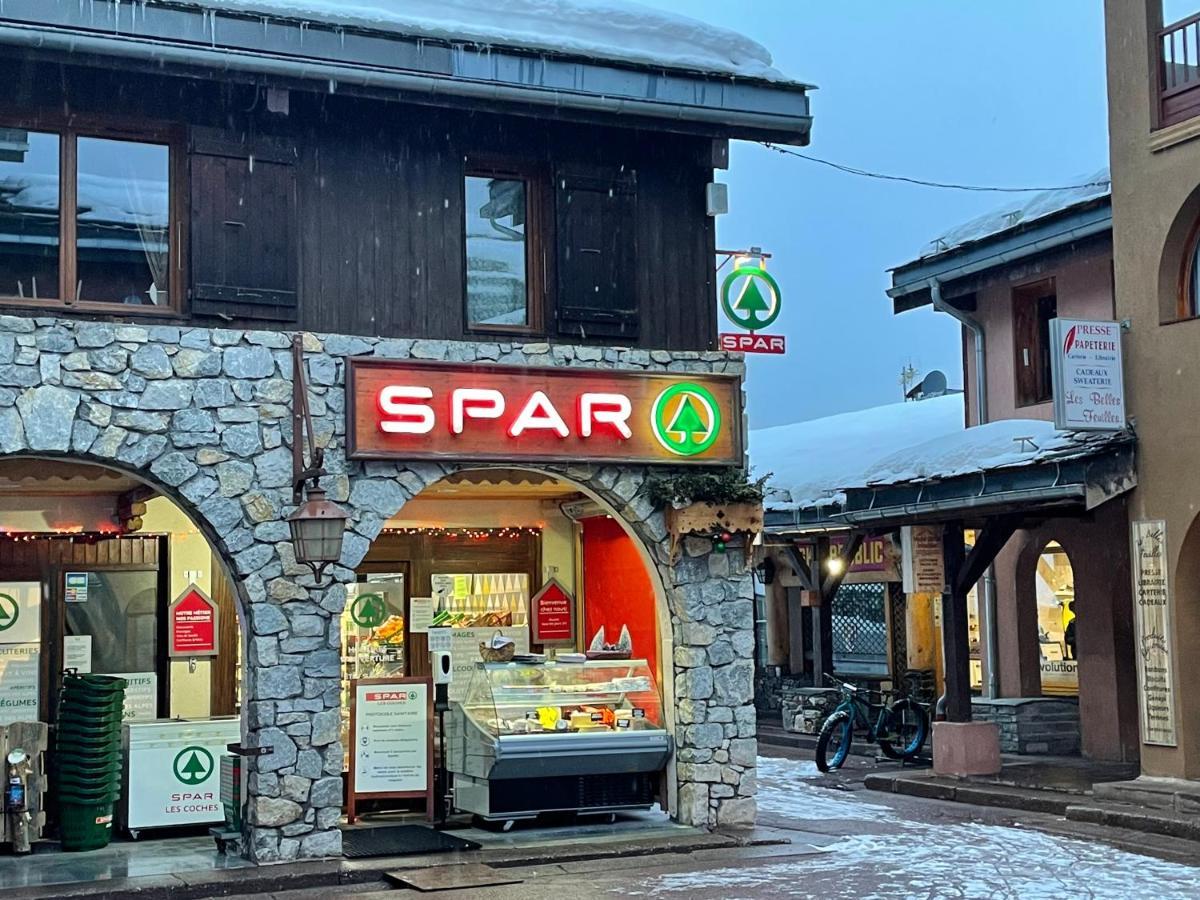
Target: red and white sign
1087	377
419	410
753	343
192	624
553	615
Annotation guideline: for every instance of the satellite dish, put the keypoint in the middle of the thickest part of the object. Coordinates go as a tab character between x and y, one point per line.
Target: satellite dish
934	383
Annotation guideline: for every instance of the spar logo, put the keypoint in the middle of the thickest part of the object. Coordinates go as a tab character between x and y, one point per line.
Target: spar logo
686	419
10	611
376	696
193	765
1069	341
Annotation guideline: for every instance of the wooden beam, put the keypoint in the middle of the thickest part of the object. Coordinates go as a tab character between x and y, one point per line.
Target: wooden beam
832	581
801	567
989	541
956	650
795	619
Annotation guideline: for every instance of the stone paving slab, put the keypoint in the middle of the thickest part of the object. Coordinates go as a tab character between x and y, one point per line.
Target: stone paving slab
448	878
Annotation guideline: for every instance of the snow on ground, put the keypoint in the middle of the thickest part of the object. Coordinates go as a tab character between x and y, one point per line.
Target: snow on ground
1047	203
812	461
921	860
784	791
618	30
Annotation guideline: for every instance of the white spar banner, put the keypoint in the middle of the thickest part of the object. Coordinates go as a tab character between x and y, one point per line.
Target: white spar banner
1152	627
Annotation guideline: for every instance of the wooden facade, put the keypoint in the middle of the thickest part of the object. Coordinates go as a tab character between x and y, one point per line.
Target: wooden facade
346	215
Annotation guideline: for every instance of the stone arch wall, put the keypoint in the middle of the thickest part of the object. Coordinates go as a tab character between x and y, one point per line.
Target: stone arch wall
204	414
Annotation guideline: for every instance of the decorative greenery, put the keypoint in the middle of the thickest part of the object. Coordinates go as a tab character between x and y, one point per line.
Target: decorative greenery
728	485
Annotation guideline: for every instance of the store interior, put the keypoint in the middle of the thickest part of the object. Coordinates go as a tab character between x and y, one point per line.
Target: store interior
103	555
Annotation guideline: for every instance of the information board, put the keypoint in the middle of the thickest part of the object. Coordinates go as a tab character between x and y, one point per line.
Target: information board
19	665
77	652
420	614
1087	375
141	695
1153	632
192	624
923	561
391	740
553	615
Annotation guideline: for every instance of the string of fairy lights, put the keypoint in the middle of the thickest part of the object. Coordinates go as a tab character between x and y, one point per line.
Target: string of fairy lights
504	532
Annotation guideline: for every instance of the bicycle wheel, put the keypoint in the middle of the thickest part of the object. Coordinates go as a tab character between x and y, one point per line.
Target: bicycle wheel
909	728
833	743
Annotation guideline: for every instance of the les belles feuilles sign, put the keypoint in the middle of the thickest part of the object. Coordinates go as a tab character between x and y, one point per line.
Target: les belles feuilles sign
406	410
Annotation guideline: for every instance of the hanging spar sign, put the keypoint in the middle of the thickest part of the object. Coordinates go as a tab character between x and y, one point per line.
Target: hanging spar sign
408	410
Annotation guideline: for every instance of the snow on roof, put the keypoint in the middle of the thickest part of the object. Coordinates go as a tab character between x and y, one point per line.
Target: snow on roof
1047	203
984	448
811	462
616	30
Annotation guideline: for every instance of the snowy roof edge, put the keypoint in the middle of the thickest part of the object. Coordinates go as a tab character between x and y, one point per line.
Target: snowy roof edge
998	224
181	34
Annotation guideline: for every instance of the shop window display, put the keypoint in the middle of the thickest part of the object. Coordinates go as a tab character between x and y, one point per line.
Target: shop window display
1055	585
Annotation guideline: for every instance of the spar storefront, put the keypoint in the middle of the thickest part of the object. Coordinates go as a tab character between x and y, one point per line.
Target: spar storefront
486	503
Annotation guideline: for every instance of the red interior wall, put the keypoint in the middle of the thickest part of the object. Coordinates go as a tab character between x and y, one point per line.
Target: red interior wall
617	589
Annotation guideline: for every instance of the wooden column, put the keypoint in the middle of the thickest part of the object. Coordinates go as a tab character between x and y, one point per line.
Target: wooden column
795	619
822	615
955	641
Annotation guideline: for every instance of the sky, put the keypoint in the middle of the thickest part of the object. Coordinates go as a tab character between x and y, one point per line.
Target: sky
1007	92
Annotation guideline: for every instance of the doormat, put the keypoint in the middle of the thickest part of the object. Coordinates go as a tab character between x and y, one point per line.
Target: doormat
399	840
449	878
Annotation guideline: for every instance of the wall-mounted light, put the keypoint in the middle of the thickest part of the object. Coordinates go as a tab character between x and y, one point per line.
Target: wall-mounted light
834	565
318	525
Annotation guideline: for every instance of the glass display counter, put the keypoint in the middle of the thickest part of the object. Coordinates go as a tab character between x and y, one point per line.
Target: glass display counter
551	737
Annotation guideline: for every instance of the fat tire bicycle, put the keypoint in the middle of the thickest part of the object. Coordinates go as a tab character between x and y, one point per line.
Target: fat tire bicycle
900	727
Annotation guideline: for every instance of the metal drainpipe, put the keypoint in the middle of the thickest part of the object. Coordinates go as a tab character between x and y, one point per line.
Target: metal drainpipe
991	648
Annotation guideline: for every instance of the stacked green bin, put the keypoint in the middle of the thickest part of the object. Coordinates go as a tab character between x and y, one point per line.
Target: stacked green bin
88	771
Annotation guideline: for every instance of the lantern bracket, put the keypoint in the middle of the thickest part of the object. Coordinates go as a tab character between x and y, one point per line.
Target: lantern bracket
302	428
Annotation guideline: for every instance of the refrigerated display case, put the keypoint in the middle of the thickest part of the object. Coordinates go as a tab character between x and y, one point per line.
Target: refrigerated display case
531	738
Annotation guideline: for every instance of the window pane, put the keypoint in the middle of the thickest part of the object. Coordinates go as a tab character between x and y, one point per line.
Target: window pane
121	615
29	220
123	203
495	229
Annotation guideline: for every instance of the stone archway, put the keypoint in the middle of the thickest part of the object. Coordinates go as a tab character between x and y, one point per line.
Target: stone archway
705	609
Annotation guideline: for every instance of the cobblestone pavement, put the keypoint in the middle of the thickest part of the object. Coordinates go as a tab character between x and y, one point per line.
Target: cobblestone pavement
851	843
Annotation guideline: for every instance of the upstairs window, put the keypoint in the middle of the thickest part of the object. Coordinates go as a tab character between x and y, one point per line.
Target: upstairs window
85	219
1034	305
502	249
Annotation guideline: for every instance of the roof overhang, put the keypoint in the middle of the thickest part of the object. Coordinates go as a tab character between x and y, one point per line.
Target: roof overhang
910	282
186	39
1060	487
1064	487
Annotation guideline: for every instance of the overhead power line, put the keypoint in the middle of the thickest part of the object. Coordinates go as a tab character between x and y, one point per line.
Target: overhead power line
851	170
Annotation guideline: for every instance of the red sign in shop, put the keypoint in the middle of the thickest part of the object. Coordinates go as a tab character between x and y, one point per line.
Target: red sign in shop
192	624
553	615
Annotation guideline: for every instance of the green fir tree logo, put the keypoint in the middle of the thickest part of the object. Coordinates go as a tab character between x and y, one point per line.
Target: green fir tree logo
193	765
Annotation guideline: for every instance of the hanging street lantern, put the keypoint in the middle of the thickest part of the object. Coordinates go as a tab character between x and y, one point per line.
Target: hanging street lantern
318	525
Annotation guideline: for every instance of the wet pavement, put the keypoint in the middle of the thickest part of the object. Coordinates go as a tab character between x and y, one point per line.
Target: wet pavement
851	843
120	859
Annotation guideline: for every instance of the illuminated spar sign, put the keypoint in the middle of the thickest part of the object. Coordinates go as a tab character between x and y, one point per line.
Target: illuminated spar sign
751	301
407	410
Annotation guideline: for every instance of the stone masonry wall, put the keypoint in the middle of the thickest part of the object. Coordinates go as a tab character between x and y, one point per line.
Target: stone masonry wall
204	415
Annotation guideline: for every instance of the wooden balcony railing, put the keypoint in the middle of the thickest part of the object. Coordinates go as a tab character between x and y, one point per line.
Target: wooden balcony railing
1179	71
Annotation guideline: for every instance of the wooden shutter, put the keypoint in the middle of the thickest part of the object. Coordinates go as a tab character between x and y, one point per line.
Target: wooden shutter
243	231
1025	344
597	252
